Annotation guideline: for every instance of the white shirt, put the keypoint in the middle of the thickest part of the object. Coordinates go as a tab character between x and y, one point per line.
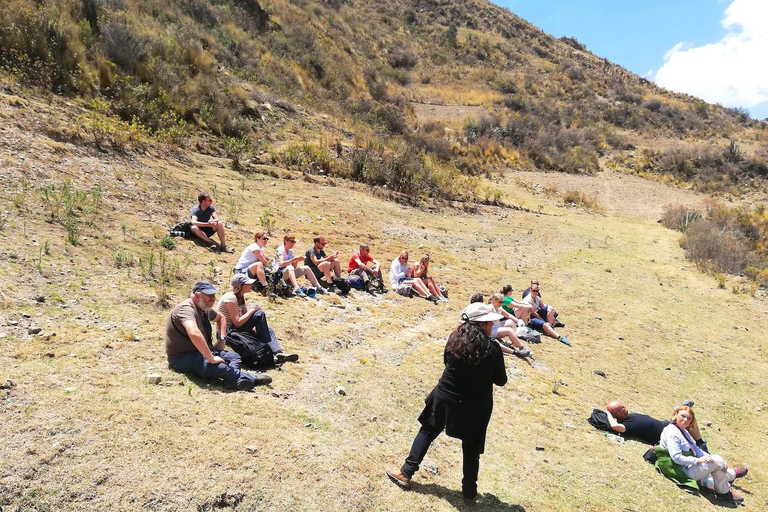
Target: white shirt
248	258
396	272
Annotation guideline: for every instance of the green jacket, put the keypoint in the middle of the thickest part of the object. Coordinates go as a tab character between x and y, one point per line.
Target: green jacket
672	470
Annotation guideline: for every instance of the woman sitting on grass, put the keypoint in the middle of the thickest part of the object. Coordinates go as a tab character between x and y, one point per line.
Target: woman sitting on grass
680	459
251	320
421	270
253	262
462	402
401	279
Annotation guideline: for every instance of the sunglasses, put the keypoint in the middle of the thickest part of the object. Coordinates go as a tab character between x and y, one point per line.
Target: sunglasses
292	241
265	238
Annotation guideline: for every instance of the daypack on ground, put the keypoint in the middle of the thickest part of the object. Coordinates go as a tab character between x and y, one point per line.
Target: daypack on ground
253	352
182	229
355	282
341	284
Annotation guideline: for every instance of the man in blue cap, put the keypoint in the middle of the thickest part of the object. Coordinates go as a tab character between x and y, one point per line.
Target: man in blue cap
189	347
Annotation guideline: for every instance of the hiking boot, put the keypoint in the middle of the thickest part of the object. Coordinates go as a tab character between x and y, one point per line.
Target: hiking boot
226	249
333	289
730	496
741	471
432	299
558	323
320	290
522	352
470	501
213	248
564	340
282	357
299	293
396	476
245	384
325	284
260	378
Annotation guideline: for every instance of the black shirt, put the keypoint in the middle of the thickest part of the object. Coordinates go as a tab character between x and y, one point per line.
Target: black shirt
643	427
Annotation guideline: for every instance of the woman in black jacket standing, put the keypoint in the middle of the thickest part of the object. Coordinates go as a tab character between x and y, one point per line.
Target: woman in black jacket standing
462	402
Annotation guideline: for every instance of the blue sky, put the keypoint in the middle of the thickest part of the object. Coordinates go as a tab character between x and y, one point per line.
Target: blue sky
712	49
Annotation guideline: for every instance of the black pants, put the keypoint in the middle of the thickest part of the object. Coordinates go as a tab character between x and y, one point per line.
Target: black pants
471	464
264	333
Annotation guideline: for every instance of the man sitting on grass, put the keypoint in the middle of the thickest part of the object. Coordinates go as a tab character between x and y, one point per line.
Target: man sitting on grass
189	347
537	322
205	222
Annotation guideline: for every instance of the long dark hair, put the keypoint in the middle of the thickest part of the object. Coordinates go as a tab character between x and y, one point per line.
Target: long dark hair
469	343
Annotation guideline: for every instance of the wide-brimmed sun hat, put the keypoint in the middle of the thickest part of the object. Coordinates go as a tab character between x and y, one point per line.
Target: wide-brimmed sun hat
479	312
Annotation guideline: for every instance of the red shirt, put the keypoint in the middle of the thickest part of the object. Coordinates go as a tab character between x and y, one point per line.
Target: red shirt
353	260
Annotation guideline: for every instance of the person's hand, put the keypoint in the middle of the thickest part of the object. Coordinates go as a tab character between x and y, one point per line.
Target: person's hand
707	459
217	360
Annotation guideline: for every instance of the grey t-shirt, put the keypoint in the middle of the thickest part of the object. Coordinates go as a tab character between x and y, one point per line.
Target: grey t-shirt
176	339
308	260
202	215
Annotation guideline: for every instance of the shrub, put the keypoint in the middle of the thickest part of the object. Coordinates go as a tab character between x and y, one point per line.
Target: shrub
679	217
712	247
168	243
402	57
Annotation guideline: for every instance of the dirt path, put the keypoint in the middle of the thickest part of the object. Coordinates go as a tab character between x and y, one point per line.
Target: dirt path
621	194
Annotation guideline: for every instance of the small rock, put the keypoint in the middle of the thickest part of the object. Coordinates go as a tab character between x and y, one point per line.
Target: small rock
600	373
27	315
570	426
154	378
429	466
50	354
539	448
373	418
251	449
667	368
341	391
13	322
40	298
380	439
8	384
34	330
621	338
599	318
707	423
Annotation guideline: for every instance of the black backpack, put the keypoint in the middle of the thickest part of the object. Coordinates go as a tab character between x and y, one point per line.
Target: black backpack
341	284
253	352
182	229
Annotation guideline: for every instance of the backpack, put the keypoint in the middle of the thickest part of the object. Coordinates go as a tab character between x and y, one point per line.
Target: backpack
527	334
341	284
182	229
355	282
253	352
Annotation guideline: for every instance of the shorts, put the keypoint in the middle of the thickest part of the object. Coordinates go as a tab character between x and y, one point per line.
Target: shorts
537	324
208	231
543	312
495	331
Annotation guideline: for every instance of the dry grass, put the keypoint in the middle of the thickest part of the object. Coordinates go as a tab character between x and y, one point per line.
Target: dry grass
83	431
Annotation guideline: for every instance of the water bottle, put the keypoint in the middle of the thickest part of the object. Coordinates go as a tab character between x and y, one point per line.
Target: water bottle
614	437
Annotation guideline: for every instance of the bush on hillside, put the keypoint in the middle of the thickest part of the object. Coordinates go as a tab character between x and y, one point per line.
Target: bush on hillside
679	217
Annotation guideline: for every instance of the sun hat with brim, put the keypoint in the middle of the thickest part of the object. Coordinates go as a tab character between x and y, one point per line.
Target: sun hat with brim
204	287
240	280
479	312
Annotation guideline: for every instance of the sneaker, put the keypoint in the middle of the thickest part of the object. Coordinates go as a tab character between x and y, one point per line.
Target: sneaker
741	471
443	299
299	293
522	352
432	299
558	323
325	284
213	248
320	290
226	249
333	289
260	378
396	476
730	496
282	357
564	340
382	290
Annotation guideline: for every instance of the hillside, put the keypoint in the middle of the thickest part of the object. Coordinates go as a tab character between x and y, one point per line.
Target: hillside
429	125
84	430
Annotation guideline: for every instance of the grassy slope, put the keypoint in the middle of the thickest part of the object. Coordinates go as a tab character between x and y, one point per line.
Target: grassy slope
83	431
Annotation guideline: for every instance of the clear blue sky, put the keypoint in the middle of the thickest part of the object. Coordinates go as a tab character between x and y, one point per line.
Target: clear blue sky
635	34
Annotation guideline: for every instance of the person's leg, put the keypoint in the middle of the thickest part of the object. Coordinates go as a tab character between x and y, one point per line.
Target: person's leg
194	362
431	286
289	276
509	333
421	444
471	463
325	268
419	286
220	232
700	471
336	267
258	323
202	235
256	271
307	272
523	313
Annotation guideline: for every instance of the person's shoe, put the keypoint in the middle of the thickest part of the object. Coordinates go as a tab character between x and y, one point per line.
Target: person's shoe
325	284
564	340
333	289
522	352
320	290
245	384
558	323
299	293
431	298
260	378
396	476
382	290
470	501
213	248
443	299
226	249
741	471
730	496
282	357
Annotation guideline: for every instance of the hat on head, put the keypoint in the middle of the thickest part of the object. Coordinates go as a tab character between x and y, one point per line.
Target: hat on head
204	287
240	279
479	312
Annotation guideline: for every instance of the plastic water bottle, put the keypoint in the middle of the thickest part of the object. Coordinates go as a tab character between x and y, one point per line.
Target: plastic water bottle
614	437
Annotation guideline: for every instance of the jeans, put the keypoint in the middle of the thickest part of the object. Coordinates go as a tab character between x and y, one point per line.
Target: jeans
264	333
471	464
194	362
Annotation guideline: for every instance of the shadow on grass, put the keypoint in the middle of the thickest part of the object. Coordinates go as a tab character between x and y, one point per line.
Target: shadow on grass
485	501
208	384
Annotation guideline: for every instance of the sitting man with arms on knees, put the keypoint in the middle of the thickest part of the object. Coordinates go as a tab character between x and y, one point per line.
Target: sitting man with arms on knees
322	265
189	347
546	311
359	266
642	427
289	264
205	222
537	322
